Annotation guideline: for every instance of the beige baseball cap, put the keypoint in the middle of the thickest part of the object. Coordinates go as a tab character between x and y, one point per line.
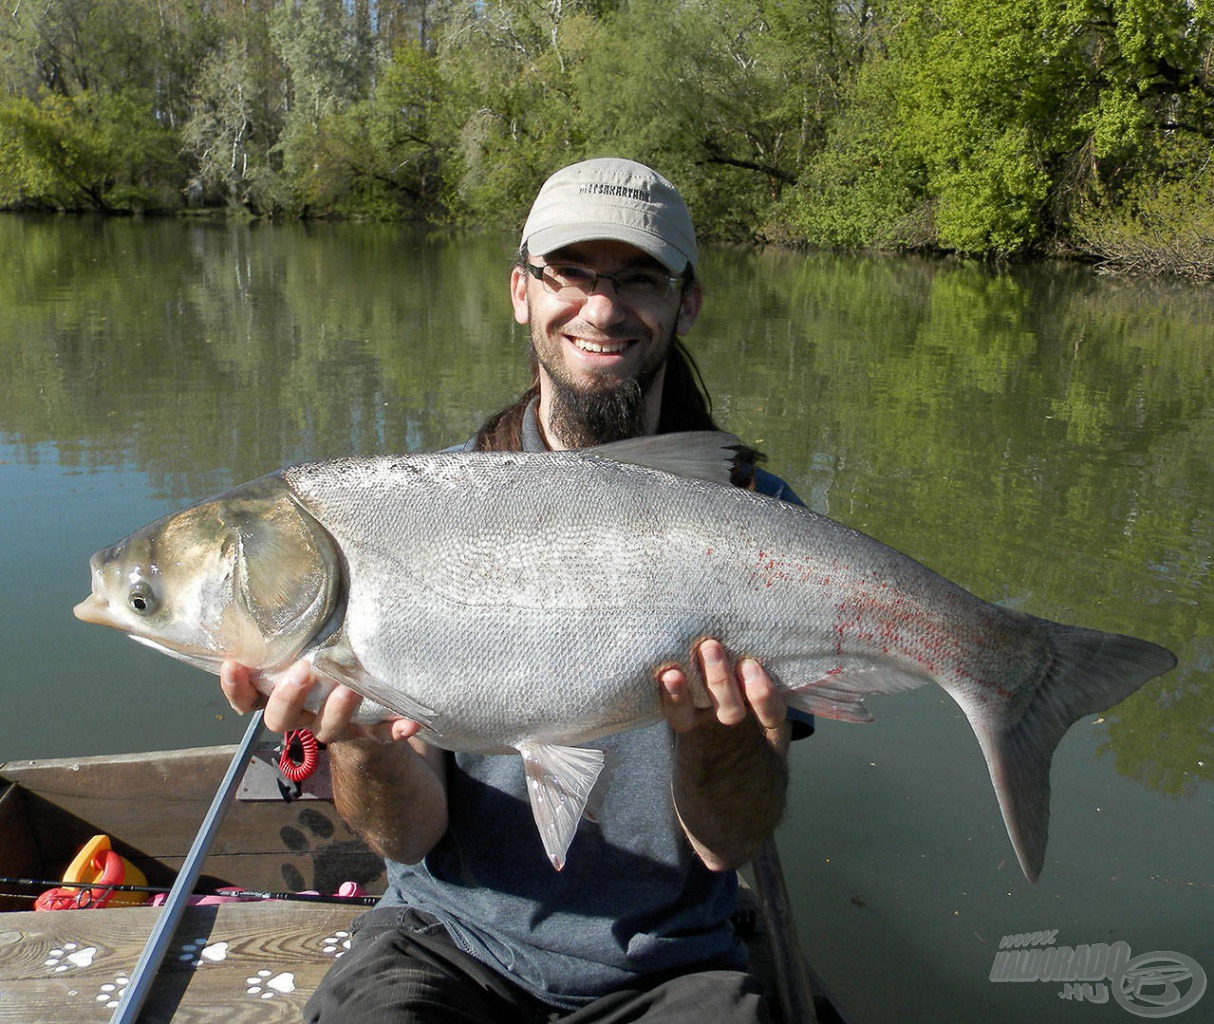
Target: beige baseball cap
616	199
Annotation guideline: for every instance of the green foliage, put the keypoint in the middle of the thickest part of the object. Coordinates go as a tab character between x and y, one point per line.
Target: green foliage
709	97
992	122
990	128
508	67
238	116
1166	227
86	152
866	187
379	158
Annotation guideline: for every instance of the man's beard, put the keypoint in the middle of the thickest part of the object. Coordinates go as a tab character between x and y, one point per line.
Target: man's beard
610	409
581	417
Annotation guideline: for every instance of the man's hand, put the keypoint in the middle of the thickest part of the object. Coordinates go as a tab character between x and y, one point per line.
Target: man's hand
393	794
734	692
284	708
730	775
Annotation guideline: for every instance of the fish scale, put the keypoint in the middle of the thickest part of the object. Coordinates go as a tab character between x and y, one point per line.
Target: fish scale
524	602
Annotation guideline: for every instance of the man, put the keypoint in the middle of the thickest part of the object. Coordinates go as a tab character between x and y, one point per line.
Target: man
476	925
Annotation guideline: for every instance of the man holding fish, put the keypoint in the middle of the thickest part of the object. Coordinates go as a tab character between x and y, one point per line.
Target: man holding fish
526	593
476	924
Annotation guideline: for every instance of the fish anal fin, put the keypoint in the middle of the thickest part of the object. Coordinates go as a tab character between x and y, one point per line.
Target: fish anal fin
559	781
847	708
838	690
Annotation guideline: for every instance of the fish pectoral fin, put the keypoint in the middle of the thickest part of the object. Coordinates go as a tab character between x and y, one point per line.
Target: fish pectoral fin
701	454
337	662
559	781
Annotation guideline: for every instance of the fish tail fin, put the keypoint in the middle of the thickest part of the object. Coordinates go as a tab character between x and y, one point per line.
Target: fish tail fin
1086	671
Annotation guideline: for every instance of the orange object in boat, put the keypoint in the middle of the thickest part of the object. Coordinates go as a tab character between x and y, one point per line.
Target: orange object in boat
98	866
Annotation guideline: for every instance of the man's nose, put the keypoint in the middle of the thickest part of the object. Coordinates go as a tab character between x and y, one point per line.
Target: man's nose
603	306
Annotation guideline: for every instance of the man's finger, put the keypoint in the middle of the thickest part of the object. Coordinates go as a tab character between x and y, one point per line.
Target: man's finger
236	686
761	694
335	714
285	707
731	708
403	728
677	704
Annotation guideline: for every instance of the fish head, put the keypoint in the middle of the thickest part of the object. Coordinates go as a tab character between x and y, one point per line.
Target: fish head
249	575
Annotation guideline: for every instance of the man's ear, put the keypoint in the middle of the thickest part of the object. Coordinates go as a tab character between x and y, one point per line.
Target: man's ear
518	295
689	309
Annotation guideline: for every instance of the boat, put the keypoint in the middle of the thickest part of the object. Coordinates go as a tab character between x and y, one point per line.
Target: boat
252	959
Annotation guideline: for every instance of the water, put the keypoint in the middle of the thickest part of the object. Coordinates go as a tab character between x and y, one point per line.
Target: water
1040	435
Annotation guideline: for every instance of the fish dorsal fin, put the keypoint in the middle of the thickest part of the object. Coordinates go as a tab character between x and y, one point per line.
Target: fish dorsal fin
559	781
702	454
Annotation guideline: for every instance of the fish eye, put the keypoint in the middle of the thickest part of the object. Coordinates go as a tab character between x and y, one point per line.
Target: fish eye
142	599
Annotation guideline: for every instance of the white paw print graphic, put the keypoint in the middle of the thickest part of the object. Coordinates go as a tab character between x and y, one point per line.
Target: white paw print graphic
71	955
266	983
335	945
110	994
195	953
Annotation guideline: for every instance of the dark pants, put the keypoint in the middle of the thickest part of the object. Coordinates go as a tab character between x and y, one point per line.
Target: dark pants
403	968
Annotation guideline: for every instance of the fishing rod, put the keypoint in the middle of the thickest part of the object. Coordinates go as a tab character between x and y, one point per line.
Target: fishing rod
234	891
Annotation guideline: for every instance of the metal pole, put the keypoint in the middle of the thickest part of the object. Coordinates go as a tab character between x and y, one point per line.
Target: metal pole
166	924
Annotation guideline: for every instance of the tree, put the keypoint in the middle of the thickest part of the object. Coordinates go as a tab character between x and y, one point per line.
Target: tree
380	157
507	67
232	126
730	97
89	151
990	128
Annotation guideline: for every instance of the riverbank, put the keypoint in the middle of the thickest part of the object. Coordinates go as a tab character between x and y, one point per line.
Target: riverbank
1128	246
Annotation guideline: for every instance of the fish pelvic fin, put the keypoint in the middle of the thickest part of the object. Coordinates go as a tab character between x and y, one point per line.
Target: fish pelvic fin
831	703
1085	671
559	781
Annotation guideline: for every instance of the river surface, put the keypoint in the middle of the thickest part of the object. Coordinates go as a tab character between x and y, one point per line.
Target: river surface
1043	436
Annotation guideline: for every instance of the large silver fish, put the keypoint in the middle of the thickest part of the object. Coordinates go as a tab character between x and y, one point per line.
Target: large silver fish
523	602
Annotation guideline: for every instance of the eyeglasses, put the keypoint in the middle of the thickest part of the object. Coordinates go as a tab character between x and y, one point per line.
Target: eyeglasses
571	282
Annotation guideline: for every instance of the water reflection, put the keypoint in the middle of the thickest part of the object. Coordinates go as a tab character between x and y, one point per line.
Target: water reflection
1039	435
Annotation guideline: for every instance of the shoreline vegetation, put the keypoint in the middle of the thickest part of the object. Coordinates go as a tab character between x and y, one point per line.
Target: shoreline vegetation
988	129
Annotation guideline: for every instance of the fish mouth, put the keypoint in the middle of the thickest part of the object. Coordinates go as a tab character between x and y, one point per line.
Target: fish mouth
96	610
